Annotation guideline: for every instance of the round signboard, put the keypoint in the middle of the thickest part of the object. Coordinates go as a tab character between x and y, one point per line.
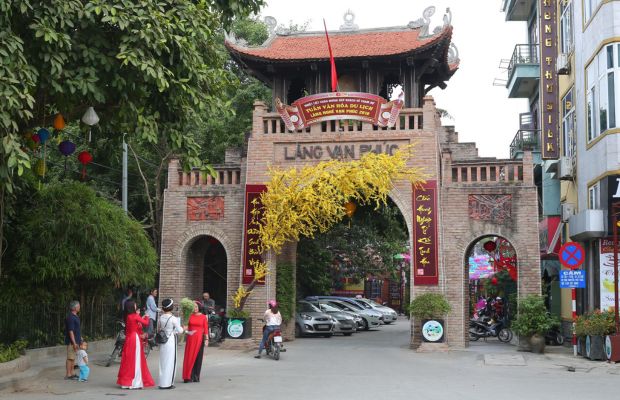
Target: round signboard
571	255
235	328
608	347
432	331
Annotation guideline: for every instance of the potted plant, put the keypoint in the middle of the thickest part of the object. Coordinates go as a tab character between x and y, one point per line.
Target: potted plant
580	332
533	322
430	309
597	325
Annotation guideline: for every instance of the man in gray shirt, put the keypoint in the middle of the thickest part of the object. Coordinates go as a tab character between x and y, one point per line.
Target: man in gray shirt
151	310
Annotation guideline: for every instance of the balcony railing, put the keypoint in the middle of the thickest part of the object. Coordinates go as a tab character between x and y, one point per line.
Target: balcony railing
409	119
523	54
525	140
225	175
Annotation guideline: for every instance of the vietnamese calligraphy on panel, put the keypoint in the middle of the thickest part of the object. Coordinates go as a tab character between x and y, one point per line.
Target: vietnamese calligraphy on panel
490	207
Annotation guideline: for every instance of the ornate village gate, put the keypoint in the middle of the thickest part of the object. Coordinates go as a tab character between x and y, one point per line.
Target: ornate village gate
469	197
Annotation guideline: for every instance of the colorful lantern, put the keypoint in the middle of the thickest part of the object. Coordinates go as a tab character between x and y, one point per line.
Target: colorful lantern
67	148
59	122
489	246
350	208
494	281
43	135
40	168
84	158
36	138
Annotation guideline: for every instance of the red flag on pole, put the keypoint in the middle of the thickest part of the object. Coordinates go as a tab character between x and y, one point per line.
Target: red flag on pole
331	60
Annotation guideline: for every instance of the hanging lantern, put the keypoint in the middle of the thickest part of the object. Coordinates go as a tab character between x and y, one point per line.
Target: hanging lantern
36	138
489	246
40	168
90	117
66	147
43	135
32	143
494	281
350	208
84	158
59	122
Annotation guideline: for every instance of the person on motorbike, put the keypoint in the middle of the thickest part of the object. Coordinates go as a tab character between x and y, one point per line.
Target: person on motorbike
273	320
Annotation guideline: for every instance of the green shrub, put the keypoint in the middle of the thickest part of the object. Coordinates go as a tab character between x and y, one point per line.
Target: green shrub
533	317
285	290
13	351
429	305
236	313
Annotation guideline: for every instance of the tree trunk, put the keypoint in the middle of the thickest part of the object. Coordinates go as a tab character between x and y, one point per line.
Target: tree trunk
1	228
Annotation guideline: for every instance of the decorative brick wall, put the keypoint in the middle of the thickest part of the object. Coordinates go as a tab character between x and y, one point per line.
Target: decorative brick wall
182	264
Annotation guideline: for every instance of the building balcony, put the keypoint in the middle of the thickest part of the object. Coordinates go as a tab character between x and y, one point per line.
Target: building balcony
588	224
523	71
526	140
518	10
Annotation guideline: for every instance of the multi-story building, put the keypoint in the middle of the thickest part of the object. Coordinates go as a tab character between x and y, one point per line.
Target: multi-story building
580	182
531	75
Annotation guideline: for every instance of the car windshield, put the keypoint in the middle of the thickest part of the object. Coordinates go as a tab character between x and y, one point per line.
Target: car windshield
307	307
363	303
339	306
374	303
328	308
354	306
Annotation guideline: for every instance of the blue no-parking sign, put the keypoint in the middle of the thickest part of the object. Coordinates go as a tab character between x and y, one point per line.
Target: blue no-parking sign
572	279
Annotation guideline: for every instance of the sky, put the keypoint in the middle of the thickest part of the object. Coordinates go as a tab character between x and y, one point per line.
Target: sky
481	112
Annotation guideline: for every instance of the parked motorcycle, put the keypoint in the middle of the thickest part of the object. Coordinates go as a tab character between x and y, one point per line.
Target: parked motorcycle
215	327
479	329
554	336
147	344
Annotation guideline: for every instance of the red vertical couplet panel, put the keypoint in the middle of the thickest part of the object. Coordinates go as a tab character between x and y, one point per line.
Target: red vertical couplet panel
253	214
549	80
425	269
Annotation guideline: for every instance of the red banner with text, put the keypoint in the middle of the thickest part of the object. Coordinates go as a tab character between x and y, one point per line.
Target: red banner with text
253	214
425	257
359	106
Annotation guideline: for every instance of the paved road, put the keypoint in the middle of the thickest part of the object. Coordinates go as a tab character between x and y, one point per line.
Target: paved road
369	365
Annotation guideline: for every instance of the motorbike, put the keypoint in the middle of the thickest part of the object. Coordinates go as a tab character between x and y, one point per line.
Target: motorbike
148	342
482	329
554	336
215	327
273	346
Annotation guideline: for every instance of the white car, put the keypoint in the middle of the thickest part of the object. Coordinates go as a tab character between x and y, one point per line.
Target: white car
389	315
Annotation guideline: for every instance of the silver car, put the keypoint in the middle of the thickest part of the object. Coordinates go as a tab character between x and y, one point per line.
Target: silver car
344	322
370	318
309	320
389	315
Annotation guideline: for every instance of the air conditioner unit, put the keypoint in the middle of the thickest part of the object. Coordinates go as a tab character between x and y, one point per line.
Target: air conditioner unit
566	168
568	209
563	64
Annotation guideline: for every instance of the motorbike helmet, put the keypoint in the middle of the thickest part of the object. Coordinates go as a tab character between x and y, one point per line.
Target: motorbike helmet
272	303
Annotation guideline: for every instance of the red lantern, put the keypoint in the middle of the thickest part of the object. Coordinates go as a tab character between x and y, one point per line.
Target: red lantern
84	158
489	246
494	281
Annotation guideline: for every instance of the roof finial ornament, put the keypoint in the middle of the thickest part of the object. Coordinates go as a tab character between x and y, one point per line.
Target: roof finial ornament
453	54
271	24
447	17
423	22
349	21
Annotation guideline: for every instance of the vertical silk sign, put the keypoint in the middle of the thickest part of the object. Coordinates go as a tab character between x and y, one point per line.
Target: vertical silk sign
251	248
549	80
425	269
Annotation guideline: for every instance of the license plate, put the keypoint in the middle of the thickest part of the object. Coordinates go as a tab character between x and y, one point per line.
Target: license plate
277	339
323	326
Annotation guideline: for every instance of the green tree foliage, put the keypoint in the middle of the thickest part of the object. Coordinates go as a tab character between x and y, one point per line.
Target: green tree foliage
356	248
69	240
150	68
285	290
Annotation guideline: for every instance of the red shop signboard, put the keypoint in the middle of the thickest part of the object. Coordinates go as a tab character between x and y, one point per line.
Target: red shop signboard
425	265
253	214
